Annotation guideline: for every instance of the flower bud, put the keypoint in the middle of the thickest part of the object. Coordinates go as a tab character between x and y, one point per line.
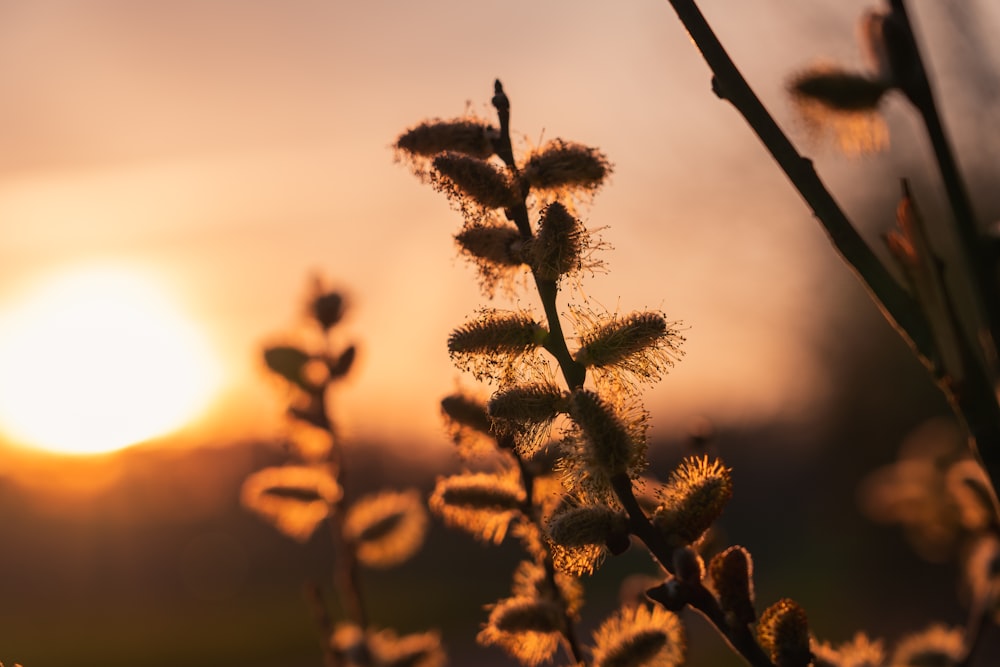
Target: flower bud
526	615
693	499
972	493
843	105
478	491
559	244
937	645
482	504
838	90
783	633
528	628
887	39
328	309
294	498
493	332
640	636
641	342
457	175
672	594
465	136
414	650
587	524
730	575
386	528
610	444
466	411
528	403
494	244
562	164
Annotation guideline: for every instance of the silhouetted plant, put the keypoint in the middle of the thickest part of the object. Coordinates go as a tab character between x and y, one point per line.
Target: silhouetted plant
378	530
571	429
569	421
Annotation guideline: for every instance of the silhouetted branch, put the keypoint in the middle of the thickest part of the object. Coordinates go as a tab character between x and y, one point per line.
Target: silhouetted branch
973	398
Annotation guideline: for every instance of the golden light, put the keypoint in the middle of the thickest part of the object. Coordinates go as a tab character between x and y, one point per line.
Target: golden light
98	359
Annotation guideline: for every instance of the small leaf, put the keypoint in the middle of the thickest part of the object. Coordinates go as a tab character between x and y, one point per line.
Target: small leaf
340	366
288	362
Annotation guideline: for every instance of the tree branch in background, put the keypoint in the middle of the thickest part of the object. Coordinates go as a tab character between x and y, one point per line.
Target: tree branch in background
972	396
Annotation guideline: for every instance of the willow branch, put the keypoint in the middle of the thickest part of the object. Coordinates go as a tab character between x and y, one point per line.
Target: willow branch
530	510
321	614
574	372
917	87
973	400
694	594
728	83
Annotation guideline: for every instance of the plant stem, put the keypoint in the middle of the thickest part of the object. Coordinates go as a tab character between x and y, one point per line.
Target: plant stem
346	577
738	636
314	595
729	84
574	373
917	87
530	511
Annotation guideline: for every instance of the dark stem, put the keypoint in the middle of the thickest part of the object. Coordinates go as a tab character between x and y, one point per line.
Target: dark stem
346	579
530	510
694	594
555	344
345	571
898	306
574	373
917	87
314	595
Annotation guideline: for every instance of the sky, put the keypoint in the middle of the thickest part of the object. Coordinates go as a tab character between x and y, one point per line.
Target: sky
235	148
229	150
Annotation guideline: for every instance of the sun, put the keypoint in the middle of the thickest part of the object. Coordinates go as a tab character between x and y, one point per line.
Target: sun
100	358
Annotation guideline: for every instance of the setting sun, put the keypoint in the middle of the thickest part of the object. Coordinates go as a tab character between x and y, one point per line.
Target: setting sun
98	359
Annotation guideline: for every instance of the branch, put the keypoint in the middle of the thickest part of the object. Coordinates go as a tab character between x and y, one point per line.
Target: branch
728	83
691	593
574	372
915	84
973	399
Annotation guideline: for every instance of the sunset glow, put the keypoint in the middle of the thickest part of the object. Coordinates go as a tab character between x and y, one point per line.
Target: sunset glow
98	359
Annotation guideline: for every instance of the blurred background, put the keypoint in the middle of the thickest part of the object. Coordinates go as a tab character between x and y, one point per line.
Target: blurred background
175	173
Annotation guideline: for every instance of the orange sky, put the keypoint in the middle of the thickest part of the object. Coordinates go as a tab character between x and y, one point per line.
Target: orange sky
237	146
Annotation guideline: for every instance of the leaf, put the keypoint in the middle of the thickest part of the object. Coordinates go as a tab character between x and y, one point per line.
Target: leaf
288	362
341	365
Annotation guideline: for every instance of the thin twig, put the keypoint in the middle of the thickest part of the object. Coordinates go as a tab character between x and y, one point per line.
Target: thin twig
738	636
321	614
530	510
917	87
574	372
729	84
555	344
